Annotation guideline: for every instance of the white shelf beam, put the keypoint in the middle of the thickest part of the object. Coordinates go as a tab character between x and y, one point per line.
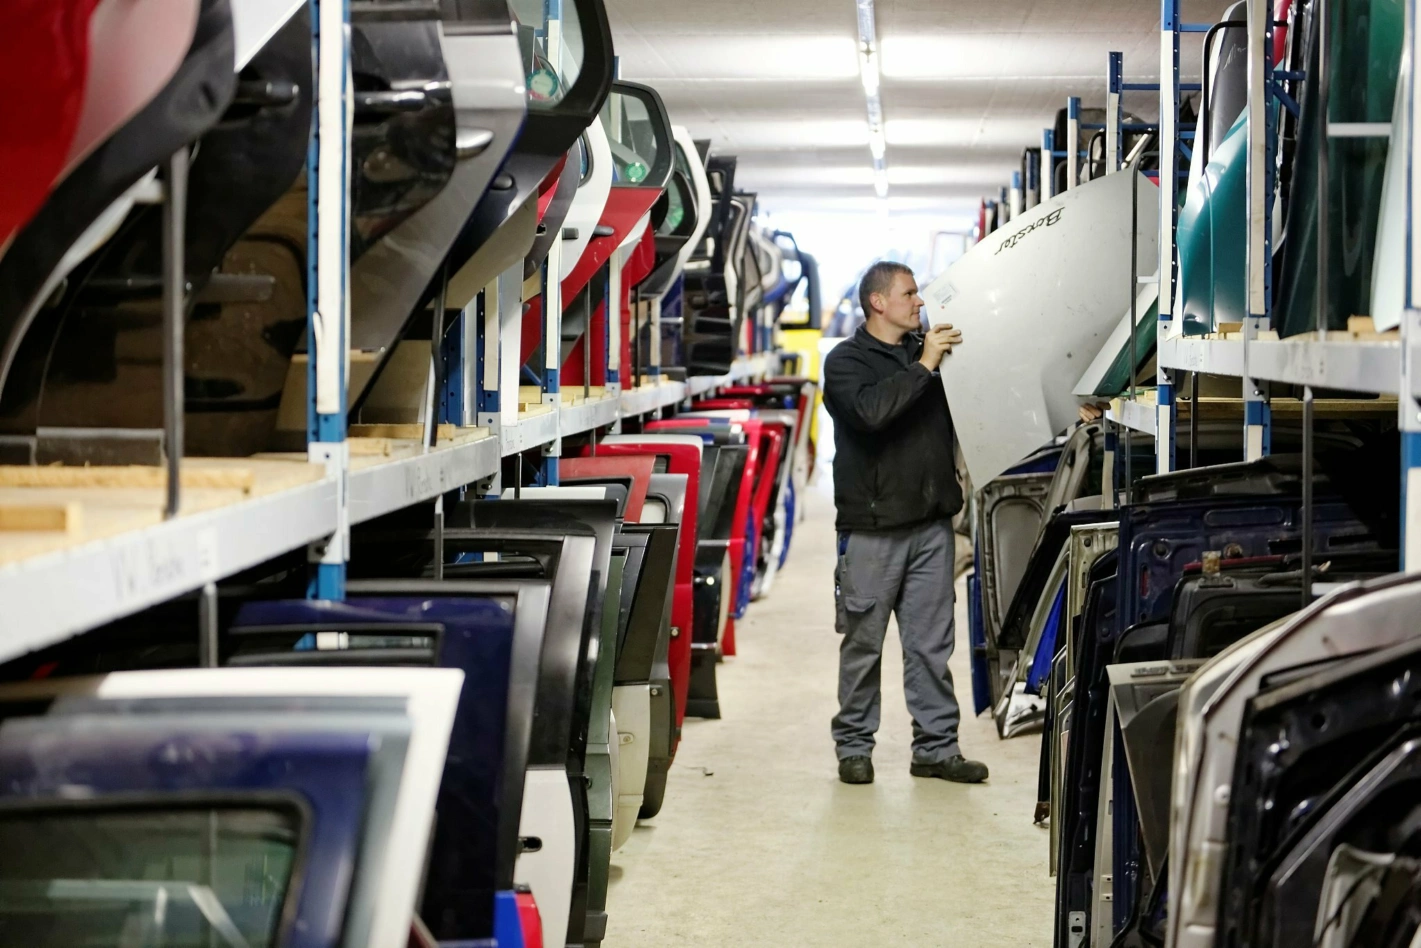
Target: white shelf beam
597	413
1362	365
1207	356
1137	416
385	488
132	571
528	432
650	398
53	596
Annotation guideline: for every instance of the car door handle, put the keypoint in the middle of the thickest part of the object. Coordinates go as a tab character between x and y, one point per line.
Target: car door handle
471	142
395	101
264	93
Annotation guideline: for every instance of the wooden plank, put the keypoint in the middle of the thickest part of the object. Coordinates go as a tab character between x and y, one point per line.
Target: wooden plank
397	448
110	509
47	518
133	475
399	432
371	447
574	396
1218	407
1264	335
1359	329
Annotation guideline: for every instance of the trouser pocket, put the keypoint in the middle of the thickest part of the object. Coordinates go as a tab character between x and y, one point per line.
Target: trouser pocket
849	606
841	573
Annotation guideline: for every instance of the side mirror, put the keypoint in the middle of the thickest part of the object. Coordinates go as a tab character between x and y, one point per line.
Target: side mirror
639	132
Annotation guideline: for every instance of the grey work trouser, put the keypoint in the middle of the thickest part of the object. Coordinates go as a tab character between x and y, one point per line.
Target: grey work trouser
907	573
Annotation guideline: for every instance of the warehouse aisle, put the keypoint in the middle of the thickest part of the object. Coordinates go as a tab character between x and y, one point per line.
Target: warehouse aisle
760	845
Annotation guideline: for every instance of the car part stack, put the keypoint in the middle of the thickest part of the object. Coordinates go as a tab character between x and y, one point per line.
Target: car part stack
1216	653
446	741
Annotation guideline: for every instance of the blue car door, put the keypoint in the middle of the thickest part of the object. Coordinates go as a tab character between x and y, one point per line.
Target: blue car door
493	634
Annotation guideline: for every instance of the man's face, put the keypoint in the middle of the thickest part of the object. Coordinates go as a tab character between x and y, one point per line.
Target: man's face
901	304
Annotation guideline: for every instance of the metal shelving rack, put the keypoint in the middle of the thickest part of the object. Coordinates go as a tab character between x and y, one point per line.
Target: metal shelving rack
66	586
1386	366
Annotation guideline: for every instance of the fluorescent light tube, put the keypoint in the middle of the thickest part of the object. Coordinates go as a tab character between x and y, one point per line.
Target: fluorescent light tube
877	144
868	71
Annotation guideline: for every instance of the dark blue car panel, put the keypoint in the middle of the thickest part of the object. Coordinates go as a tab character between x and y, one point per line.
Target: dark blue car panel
1158	540
160	765
477	637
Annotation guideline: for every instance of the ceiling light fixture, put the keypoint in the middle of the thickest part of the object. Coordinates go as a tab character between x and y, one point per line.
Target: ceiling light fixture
869	75
868	71
877	143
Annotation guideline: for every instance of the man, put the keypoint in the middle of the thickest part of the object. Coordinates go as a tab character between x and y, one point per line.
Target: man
896	491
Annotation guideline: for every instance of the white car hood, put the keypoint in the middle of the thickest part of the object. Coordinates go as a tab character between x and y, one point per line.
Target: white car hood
1036	300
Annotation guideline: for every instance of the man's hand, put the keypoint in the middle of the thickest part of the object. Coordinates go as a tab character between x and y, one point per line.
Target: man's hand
938	343
1090	413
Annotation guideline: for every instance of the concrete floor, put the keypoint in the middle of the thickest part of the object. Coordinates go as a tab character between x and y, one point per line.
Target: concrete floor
759	844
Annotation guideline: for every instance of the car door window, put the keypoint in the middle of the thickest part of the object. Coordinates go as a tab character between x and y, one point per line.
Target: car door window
146	877
549	76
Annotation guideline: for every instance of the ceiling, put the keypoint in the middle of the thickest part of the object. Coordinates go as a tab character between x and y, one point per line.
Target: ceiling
967	84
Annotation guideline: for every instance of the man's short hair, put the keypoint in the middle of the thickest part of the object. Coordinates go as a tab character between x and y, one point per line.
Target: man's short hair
879	279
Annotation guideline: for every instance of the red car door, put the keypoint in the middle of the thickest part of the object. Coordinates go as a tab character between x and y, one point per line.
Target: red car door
682	455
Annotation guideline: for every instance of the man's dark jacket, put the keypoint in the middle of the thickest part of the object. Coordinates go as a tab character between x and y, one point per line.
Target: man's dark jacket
893	439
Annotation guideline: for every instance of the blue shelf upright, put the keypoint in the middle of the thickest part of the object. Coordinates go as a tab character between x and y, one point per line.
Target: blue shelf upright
328	279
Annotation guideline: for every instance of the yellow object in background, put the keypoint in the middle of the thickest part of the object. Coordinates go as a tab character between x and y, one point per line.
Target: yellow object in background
806	343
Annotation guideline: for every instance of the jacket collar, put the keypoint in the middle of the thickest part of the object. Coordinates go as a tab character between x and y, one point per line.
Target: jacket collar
912	342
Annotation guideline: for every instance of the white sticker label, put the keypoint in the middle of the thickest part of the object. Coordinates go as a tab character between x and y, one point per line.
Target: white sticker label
942	293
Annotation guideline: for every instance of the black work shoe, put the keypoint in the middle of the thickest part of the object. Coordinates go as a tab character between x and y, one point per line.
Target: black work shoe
856	770
957	769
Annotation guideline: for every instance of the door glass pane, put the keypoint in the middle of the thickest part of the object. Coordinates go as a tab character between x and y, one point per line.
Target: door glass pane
584	159
632	135
551	38
145	878
676	207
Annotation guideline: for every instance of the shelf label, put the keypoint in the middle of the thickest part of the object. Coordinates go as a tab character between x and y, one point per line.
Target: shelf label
425	480
164	565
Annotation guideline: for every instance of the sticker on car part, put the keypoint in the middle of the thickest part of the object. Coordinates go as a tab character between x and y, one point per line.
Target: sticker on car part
942	293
